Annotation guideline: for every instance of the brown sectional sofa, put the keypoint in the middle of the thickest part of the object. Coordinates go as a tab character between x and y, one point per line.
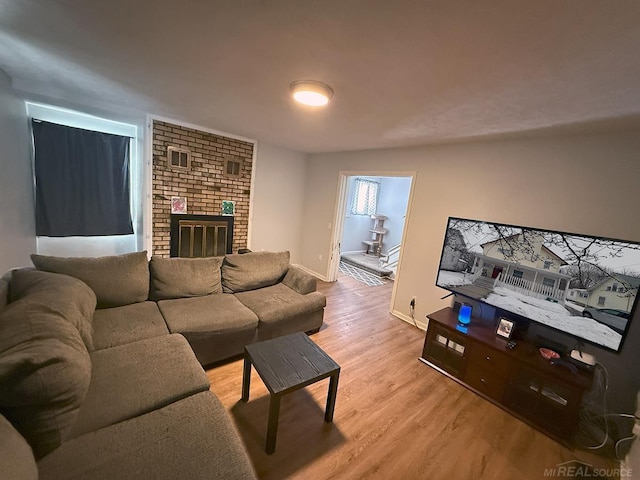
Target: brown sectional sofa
100	361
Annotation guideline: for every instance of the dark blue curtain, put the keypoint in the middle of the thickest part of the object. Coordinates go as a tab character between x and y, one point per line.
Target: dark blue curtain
82	182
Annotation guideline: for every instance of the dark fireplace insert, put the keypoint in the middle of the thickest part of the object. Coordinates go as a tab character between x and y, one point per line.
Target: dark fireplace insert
195	236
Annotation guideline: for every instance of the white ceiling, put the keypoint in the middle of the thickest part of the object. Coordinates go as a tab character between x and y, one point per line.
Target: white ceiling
404	72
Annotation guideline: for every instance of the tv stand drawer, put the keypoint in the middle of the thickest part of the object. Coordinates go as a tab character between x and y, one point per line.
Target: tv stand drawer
490	359
485	381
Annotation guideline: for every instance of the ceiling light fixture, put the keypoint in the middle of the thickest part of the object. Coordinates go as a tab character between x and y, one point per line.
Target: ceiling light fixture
311	92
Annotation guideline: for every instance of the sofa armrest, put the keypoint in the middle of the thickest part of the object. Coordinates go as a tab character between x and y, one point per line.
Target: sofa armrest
299	280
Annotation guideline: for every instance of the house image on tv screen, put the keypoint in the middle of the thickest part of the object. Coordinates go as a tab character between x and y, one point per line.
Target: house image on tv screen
523	264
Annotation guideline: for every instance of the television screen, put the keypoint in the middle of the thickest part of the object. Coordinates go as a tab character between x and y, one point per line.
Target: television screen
578	284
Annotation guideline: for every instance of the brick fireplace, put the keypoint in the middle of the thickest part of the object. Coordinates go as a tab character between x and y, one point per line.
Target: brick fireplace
205	181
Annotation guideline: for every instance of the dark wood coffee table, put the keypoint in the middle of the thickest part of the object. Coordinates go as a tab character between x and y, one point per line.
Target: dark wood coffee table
286	364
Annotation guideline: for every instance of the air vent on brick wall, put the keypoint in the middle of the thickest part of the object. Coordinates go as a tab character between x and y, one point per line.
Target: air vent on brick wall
232	167
178	157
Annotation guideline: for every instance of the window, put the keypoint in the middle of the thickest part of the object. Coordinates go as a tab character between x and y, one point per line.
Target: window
505	251
518	273
107	244
365	197
81	180
548	282
614	287
601	301
547	264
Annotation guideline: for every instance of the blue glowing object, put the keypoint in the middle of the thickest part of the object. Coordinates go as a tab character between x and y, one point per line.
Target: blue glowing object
464	315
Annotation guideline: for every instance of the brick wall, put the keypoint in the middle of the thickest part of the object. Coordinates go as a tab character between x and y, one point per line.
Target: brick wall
203	184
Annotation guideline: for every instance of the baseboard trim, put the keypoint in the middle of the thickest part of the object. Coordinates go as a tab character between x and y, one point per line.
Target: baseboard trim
409	320
352	252
311	272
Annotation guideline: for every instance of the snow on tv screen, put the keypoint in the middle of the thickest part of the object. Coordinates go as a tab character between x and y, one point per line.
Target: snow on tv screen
578	284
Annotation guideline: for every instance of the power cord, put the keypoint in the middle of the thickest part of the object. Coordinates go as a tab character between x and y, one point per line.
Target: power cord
604	408
412	311
605	415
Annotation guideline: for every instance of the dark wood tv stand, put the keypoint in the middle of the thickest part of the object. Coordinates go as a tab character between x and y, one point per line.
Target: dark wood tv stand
518	380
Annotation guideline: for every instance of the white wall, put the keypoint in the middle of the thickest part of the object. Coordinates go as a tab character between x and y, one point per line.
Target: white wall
581	183
278	200
17	218
393	200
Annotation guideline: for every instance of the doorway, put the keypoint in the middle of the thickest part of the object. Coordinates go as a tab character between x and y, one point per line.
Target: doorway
372	213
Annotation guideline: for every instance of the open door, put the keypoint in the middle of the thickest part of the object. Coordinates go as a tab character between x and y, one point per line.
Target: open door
341	212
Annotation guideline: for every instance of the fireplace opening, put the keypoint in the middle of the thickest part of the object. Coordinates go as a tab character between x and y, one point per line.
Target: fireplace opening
195	236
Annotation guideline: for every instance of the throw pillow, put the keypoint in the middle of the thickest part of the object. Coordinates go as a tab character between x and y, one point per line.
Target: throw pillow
249	271
184	277
116	279
69	297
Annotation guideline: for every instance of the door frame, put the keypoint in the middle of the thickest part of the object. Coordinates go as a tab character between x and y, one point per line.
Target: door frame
339	216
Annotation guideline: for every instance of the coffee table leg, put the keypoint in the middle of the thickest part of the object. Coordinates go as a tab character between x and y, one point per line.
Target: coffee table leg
246	378
331	398
272	427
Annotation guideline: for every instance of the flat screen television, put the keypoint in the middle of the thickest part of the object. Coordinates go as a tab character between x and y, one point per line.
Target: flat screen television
581	285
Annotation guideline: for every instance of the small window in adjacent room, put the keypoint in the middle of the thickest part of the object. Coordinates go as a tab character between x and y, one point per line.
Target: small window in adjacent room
548	282
518	273
178	157
232	167
365	197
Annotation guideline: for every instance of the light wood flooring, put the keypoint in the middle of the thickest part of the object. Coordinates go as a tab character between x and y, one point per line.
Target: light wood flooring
395	417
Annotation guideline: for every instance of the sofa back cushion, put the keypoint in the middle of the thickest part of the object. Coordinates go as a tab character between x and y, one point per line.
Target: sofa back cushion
116	279
16	457
69	297
45	371
184	277
249	271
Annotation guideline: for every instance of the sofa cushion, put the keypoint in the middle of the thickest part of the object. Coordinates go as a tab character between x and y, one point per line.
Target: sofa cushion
136	378
299	281
219	312
116	280
278	302
184	277
16	457
130	323
193	438
216	326
253	270
44	373
71	298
